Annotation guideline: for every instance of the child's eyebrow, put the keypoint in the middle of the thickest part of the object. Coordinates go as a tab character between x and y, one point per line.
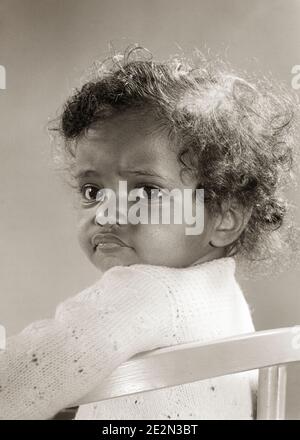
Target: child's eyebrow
143	172
138	172
86	173
151	173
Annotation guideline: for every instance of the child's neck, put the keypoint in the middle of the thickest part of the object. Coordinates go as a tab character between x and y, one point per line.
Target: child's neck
213	255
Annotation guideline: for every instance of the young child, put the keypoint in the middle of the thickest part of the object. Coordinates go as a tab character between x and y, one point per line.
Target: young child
158	126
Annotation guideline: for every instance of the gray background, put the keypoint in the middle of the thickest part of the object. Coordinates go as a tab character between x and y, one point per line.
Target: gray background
45	47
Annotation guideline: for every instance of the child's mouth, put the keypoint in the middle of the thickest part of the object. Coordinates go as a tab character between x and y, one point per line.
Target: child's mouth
109	246
107	242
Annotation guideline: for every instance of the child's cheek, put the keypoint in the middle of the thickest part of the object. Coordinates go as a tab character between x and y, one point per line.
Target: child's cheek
82	233
155	242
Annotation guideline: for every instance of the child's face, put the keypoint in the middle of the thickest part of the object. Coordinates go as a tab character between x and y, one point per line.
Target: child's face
122	149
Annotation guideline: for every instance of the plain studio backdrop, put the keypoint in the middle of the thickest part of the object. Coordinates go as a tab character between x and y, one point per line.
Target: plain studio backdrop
45	47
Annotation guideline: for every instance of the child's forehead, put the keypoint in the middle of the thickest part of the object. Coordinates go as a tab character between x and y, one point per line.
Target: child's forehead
124	156
108	152
117	151
127	137
128	124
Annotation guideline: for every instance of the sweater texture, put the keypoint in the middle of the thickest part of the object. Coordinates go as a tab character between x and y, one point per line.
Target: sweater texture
53	363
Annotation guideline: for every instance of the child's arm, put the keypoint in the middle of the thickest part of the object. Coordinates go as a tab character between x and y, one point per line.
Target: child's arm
52	363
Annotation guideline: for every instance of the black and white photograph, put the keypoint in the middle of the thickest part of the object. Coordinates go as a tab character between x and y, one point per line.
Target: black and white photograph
149	206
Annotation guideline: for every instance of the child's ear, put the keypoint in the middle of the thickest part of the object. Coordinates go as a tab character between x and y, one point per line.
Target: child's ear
230	224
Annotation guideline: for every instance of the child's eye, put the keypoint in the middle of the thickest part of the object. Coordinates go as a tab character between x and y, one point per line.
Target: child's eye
90	193
149	192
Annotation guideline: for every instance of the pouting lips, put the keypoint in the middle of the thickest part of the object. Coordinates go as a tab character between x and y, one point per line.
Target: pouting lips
102	239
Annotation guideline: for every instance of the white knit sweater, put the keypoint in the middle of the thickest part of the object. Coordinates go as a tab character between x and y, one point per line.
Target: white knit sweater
53	363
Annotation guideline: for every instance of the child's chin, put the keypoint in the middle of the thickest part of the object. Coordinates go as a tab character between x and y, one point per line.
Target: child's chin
108	261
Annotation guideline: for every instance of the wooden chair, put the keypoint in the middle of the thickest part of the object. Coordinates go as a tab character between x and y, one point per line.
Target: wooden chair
269	351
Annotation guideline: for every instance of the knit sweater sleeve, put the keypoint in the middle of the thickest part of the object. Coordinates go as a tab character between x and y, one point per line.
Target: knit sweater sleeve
52	363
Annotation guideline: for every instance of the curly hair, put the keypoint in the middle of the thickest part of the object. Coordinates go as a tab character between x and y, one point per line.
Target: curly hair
237	135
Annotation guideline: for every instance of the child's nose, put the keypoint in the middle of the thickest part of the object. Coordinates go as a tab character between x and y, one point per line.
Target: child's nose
110	210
